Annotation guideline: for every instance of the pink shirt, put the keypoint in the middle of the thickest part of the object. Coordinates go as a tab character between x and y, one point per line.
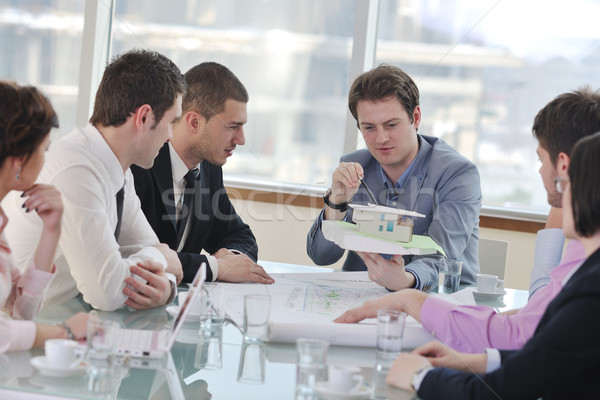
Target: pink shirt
20	298
472	329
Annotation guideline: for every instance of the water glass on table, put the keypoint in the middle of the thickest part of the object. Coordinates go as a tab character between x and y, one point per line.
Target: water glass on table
212	308
101	341
257	312
311	360
449	276
390	330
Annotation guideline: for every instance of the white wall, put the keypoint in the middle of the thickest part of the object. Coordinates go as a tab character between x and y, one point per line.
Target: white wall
281	234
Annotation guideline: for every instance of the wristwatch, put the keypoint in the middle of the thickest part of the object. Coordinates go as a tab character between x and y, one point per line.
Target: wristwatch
340	207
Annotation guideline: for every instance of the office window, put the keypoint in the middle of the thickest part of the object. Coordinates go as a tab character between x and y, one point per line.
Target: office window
41	46
292	56
484	69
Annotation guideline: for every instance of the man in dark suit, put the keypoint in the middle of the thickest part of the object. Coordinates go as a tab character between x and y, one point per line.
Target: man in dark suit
183	195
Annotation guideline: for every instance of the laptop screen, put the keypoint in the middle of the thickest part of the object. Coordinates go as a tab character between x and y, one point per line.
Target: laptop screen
184	309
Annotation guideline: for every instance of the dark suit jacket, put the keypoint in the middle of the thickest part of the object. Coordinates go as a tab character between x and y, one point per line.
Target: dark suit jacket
561	360
214	222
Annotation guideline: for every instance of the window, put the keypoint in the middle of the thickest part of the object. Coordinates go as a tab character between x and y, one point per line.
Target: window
390	226
484	69
41	46
292	56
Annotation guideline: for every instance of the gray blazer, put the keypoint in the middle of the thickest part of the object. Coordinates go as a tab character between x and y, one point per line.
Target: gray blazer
444	186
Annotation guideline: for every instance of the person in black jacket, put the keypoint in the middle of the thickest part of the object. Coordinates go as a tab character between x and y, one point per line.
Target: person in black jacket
562	359
183	195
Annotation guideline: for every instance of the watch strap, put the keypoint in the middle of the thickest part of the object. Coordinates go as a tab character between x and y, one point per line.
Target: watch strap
340	207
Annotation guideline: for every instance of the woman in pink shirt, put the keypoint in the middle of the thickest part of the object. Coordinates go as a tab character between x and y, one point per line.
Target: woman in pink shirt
26	118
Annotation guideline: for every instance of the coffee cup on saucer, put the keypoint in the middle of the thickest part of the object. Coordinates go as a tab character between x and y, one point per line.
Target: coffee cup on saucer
344	378
62	353
488	283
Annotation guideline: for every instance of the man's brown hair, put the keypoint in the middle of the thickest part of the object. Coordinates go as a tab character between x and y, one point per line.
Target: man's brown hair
381	83
566	119
133	79
210	85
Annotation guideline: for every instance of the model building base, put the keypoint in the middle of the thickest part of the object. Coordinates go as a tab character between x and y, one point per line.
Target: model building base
346	236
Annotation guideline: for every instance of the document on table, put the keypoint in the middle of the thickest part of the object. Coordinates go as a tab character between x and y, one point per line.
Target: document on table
304	305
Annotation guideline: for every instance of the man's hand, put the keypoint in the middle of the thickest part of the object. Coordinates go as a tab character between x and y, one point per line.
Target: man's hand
239	268
387	273
440	355
152	290
403	369
173	264
344	185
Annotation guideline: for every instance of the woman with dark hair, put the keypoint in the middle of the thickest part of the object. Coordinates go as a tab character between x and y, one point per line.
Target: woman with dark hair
26	118
562	359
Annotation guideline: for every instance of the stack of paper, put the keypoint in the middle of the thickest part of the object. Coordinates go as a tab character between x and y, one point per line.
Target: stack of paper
305	305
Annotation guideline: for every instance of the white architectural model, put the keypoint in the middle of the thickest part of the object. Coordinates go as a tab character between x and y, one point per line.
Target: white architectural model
384	222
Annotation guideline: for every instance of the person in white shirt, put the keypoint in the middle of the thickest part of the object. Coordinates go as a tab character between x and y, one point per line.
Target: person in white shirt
107	250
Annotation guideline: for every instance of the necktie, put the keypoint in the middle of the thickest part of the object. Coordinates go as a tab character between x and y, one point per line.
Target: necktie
188	198
120	196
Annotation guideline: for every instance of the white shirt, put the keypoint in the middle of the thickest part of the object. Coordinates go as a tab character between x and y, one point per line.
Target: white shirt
178	171
88	259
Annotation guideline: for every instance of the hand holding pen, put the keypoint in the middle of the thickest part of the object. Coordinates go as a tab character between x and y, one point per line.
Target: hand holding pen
347	178
345	182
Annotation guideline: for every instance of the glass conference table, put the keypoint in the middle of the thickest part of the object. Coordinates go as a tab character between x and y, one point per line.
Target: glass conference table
187	373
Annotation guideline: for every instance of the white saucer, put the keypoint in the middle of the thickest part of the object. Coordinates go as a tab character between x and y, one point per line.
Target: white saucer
192	316
489	295
41	364
327	393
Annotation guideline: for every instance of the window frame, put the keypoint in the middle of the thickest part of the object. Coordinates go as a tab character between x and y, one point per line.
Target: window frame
97	35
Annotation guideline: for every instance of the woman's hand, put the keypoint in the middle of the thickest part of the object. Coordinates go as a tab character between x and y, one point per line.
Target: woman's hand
78	325
47	202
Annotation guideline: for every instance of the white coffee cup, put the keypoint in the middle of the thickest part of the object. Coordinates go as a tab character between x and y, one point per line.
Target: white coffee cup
62	353
487	283
344	378
196	307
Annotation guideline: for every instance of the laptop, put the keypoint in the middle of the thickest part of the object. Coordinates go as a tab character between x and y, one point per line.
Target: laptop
156	343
